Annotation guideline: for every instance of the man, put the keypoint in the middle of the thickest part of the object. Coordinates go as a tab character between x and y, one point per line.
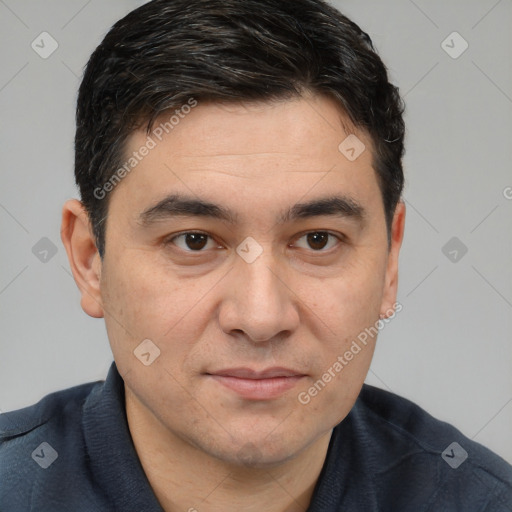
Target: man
239	165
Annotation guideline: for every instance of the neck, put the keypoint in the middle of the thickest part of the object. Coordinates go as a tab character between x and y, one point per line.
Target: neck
185	478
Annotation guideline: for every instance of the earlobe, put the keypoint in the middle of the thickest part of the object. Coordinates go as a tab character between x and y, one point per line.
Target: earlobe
391	280
83	256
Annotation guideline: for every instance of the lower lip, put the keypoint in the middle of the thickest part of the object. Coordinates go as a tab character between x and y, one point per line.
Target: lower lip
258	389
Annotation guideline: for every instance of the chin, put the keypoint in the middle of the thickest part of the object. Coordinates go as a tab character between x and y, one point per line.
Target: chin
261	453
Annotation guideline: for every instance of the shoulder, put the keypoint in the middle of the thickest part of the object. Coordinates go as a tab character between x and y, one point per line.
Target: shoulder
424	457
55	406
29	439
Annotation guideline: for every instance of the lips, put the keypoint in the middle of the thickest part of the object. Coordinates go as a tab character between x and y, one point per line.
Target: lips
257	385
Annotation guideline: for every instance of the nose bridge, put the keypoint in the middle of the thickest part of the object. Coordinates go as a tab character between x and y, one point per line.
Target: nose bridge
260	303
263	284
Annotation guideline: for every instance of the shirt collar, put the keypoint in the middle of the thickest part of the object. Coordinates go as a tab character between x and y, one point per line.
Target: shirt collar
113	460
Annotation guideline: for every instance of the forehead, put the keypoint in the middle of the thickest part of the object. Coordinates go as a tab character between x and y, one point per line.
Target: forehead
295	146
296	125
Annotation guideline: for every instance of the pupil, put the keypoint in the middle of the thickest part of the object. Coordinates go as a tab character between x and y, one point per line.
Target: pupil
317	240
195	240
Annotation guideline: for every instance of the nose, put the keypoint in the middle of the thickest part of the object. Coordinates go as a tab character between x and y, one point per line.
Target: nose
258	302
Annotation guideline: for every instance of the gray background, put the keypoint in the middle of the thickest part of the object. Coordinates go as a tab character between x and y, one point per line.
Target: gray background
449	350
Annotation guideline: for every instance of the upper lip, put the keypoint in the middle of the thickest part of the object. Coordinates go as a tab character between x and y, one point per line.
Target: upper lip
248	373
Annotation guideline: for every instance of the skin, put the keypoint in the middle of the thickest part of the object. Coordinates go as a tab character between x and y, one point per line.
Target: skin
298	305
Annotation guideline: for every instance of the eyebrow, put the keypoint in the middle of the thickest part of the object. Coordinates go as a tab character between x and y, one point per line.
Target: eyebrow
179	205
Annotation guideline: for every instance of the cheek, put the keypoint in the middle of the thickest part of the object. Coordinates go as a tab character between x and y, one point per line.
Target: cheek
343	352
142	303
145	298
133	302
351	301
332	397
343	314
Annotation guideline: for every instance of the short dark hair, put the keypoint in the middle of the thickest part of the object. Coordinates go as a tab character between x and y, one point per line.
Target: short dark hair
166	52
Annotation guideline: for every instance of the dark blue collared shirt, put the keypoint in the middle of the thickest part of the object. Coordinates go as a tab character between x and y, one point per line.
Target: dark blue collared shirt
72	452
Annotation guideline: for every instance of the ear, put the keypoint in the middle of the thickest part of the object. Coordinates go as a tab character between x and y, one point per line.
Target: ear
84	259
391	278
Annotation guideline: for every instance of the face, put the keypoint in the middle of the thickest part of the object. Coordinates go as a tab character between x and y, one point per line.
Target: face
252	253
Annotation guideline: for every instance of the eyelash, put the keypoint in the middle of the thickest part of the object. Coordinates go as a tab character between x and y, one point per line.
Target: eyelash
170	240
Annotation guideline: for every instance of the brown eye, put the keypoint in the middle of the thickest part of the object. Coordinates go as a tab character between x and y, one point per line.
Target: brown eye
191	242
319	240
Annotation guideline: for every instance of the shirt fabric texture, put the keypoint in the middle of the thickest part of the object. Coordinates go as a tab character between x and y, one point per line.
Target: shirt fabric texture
386	455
